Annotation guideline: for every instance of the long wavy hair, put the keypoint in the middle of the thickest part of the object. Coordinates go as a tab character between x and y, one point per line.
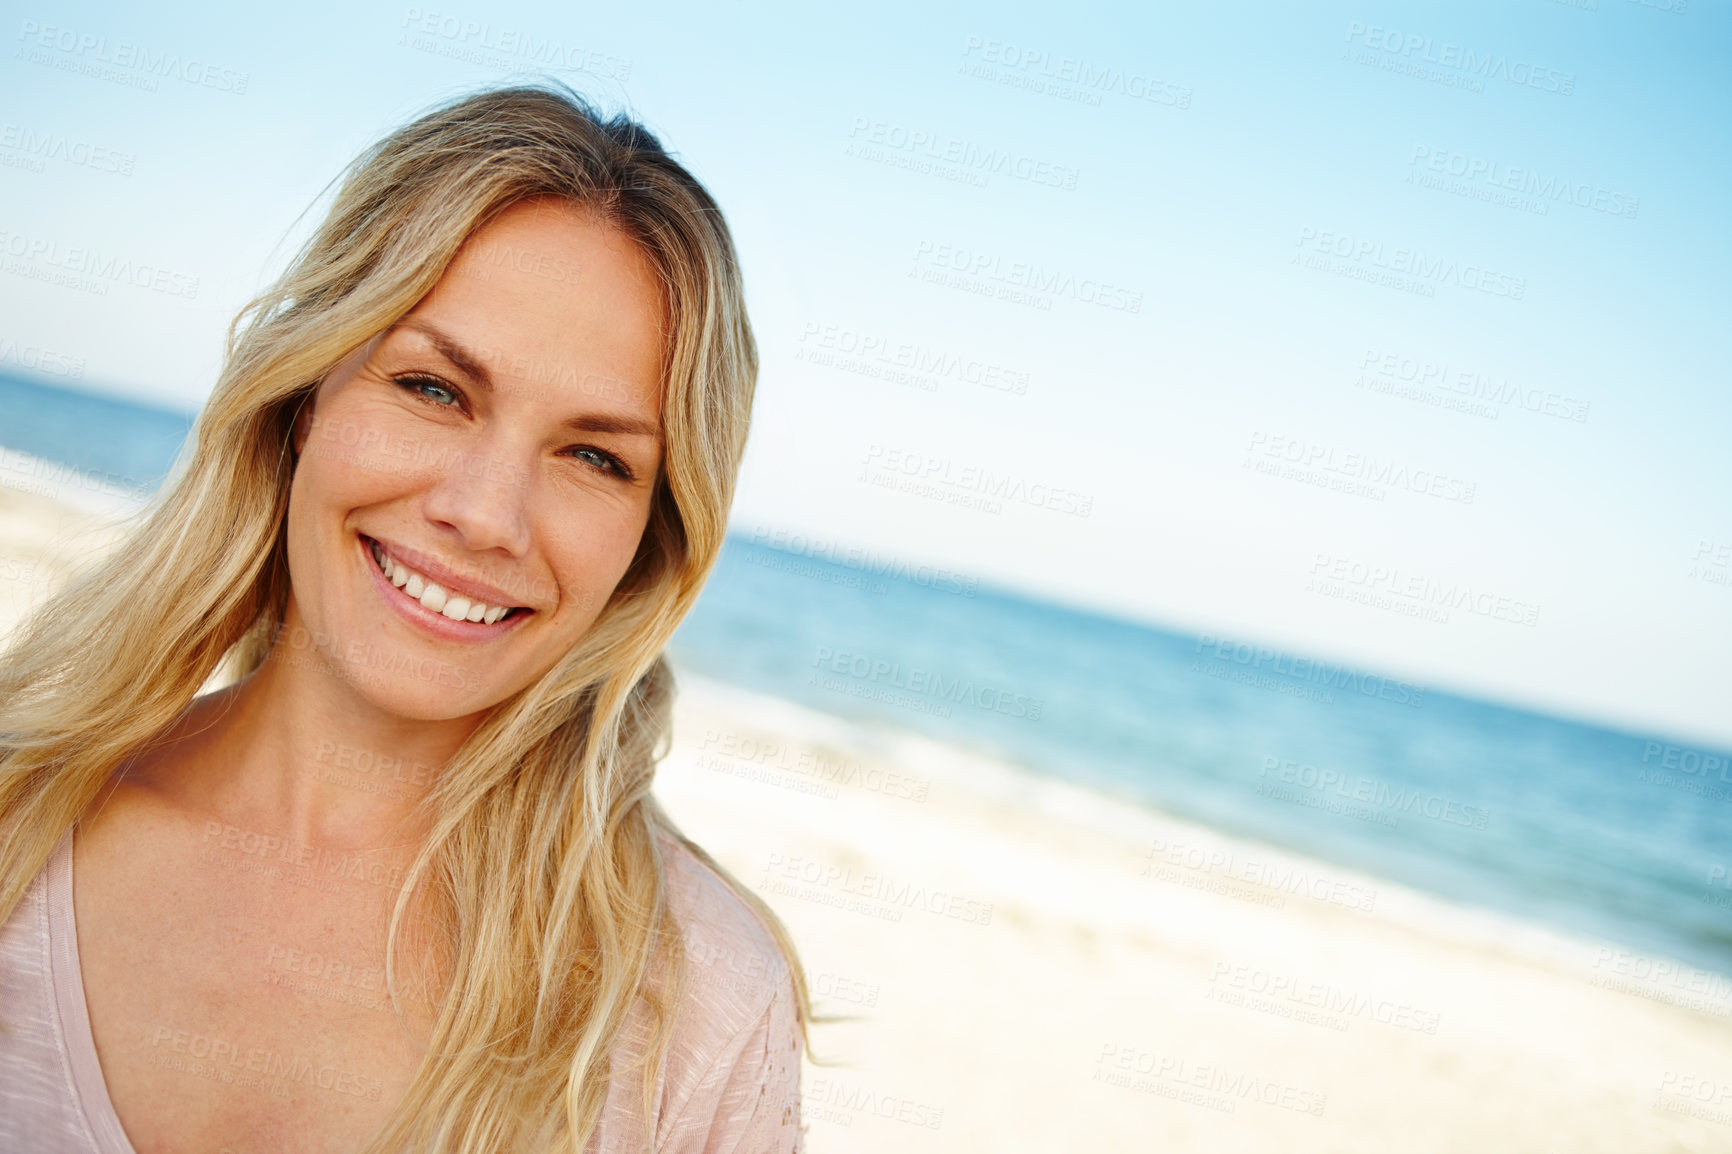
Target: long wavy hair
542	850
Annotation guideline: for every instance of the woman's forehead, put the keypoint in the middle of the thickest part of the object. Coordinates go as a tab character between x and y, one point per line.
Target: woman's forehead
550	237
551	295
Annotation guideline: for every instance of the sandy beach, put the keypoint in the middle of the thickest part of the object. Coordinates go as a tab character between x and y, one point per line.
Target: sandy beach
1039	967
1033	966
50	525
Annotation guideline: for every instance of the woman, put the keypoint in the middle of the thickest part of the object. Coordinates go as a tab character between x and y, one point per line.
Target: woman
396	881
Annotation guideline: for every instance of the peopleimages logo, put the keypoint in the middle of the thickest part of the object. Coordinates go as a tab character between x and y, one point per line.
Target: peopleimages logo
1286	878
1414	50
835	1100
1066	76
934	577
1684	760
858	350
1395	800
481	42
1260	659
942	261
1416	590
876	894
893	675
43	146
1222	1088
1275	448
945	479
1497	175
42	360
84	52
870	135
99	267
1472	384
1335	1001
1411	263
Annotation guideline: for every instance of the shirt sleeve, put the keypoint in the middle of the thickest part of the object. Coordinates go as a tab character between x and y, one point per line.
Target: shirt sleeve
753	1103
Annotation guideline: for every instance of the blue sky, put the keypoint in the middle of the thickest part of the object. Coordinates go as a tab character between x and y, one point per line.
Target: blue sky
1333	224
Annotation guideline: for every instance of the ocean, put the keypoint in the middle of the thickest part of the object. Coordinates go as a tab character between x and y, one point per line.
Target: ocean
1614	836
1618	837
112	443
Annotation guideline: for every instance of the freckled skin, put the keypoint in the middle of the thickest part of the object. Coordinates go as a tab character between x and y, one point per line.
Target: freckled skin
232	889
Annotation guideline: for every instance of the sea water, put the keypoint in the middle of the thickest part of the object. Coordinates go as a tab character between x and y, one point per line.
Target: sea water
113	443
1625	837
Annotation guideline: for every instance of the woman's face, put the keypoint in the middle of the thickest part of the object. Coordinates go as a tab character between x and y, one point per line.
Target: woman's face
472	485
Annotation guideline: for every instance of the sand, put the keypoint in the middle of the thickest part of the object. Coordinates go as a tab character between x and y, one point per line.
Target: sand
49	526
1033	966
1144	983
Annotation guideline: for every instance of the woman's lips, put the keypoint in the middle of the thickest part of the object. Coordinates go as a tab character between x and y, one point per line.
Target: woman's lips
438	624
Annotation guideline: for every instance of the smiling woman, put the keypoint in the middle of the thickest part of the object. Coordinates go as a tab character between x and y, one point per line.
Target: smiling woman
467	466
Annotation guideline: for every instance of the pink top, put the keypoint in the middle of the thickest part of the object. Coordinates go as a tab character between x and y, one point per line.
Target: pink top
730	1083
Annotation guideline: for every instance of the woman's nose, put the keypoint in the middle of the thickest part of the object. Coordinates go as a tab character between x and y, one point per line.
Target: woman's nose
484	496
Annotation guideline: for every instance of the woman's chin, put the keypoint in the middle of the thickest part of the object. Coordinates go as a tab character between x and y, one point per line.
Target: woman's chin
419	689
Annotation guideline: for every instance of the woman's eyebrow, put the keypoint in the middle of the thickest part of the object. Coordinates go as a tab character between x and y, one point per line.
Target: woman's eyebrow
454	351
604	423
451	349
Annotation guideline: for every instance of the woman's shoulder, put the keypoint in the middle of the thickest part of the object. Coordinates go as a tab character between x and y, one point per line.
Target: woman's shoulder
731	1079
734	965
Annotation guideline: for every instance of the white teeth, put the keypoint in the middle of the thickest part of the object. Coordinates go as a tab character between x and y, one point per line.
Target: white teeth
434	597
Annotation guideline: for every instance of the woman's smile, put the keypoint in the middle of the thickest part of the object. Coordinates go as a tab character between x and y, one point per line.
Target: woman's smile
435	599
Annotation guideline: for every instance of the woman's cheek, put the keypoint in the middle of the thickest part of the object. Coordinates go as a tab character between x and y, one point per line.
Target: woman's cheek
358	451
595	563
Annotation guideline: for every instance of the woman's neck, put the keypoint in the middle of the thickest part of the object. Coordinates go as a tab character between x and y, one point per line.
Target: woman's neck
295	752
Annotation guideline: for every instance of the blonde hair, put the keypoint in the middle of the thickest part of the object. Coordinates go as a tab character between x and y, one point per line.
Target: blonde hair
543	845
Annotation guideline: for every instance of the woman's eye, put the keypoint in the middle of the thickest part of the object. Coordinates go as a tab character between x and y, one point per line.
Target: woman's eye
430	388
606	462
